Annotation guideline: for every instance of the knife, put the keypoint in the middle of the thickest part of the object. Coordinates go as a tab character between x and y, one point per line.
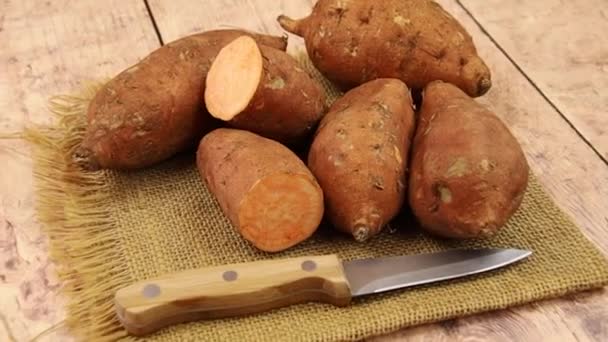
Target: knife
245	288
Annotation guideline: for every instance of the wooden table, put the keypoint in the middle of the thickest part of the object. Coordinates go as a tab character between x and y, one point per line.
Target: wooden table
550	70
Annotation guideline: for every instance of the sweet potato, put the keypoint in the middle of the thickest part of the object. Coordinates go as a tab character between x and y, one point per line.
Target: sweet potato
262	90
354	41
154	109
468	172
264	189
359	155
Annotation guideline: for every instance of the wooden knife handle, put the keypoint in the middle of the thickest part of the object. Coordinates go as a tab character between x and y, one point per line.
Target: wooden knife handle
230	290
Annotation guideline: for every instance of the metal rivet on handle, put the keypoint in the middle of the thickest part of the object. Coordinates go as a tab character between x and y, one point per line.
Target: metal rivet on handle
230	276
151	291
309	265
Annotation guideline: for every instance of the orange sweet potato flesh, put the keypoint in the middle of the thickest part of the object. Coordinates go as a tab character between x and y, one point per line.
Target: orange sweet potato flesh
359	155
263	90
468	172
265	190
154	109
417	41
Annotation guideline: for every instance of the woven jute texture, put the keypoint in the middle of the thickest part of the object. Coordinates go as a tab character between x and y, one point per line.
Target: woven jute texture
109	229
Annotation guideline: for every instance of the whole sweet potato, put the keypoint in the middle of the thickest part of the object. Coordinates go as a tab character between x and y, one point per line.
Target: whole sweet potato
264	189
360	153
468	172
261	89
154	109
354	41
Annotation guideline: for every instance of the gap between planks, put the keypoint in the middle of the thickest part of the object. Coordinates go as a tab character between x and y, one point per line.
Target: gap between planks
159	36
536	87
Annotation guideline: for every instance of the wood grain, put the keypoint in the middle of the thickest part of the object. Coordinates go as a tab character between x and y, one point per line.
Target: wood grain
48	47
579	318
563	47
231	290
572	173
182	17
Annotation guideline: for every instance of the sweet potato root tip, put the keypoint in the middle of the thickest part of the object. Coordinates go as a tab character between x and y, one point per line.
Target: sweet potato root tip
361	233
233	78
292	207
484	85
289	25
84	158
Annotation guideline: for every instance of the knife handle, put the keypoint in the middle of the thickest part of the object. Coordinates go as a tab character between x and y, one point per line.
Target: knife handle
230	290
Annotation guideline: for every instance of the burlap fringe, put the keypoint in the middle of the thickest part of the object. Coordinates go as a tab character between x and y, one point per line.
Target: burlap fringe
13	135
74	209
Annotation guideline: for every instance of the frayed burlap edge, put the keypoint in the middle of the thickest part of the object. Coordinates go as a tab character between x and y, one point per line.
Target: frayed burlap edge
73	207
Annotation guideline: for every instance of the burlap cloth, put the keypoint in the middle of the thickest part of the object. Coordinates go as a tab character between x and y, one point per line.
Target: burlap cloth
109	229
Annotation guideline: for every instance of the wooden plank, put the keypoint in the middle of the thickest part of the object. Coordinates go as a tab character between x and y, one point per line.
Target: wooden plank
577	318
178	18
563	47
48	48
569	169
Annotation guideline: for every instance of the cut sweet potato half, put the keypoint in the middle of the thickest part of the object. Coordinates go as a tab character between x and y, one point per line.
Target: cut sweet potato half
266	191
280	210
233	78
263	90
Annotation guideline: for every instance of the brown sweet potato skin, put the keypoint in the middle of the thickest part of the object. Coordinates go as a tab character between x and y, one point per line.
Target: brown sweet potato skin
354	41
232	161
360	153
288	103
468	172
154	109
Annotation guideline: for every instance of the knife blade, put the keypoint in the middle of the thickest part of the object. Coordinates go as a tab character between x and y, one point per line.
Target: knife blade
239	289
367	276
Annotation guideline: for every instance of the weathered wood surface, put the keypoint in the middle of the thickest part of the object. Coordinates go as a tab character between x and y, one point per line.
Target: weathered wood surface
563	47
46	48
50	47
